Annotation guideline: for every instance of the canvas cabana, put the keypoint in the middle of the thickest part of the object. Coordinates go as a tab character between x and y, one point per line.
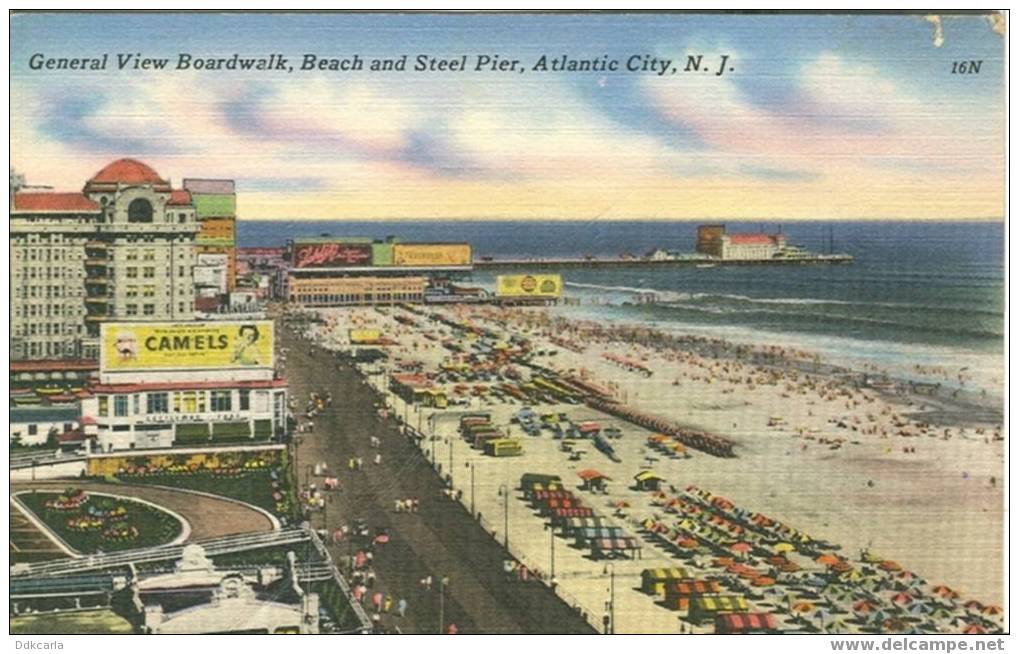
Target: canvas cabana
529	479
654	580
745	623
573	524
560	516
648	480
550	505
707	607
590	534
593	479
678	594
540	496
615	548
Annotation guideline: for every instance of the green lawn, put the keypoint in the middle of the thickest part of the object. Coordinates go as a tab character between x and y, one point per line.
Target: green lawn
153	527
100	621
251	486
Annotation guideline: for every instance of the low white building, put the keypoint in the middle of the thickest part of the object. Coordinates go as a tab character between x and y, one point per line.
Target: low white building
167	384
32	425
143	415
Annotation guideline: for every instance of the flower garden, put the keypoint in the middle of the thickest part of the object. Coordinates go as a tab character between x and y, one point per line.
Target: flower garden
92	522
259	478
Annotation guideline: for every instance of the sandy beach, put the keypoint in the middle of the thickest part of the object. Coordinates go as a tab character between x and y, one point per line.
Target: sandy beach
862	467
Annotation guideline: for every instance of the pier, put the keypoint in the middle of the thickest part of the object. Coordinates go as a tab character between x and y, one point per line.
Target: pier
487	263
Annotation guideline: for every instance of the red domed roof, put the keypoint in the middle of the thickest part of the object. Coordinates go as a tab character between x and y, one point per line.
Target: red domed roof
127	171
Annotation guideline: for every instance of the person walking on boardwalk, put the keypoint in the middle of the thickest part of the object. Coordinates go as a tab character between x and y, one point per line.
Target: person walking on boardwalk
401	607
377	601
387	604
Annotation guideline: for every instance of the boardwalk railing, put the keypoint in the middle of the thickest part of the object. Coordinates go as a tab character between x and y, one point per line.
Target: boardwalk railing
213	547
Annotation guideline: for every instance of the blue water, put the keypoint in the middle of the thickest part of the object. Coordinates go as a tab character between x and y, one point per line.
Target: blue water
916	289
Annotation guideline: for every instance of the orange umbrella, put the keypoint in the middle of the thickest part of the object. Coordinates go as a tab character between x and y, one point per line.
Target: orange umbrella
902	598
763	581
992	610
741	547
588	475
890	566
974	629
803	607
827	559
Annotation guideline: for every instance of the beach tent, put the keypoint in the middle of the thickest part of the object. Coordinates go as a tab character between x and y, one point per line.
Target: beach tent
708	606
588	534
528	479
745	623
653	580
648	480
593	479
574	524
615	547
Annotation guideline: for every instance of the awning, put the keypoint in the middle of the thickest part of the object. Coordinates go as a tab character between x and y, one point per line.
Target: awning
647	475
590	475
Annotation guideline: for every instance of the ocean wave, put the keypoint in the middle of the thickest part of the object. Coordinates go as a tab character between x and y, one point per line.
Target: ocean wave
836	319
667	297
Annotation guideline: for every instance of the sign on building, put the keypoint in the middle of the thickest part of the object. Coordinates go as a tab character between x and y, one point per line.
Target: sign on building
432	254
241	345
332	254
538	286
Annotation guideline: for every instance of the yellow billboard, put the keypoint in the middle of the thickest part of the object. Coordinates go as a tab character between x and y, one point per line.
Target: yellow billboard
541	286
365	335
186	346
432	254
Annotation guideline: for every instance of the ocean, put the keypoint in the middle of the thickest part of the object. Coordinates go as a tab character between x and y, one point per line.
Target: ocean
917	293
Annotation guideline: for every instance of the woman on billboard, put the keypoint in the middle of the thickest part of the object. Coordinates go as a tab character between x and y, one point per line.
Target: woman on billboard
246	352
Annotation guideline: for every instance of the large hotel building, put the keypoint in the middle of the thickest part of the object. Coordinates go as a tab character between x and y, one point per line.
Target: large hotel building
121	249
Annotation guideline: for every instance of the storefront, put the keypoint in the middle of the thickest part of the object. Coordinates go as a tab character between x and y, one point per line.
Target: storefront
143	416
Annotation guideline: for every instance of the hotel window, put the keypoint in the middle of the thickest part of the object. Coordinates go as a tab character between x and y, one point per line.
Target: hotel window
131	310
104	405
149	255
149	272
119	406
157	403
220	401
132	272
244	398
132	291
132	255
136	403
149	310
149	290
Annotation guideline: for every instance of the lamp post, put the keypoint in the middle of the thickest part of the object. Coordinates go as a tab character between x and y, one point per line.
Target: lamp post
442	604
551	532
431	435
470	464
504	493
611	570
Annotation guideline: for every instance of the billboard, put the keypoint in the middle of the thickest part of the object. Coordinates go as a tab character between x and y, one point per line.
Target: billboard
431	254
540	286
332	254
153	346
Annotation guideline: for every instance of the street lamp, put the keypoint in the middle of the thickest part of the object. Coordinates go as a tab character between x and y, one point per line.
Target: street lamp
551	532
470	464
610	568
442	604
504	494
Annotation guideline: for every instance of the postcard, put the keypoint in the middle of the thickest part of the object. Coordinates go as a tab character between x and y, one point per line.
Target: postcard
507	323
